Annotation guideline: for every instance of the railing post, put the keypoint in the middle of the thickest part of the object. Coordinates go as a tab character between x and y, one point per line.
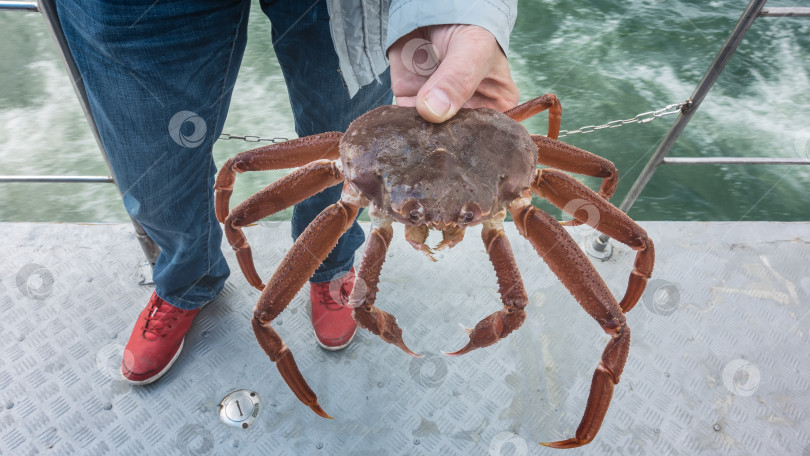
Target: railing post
48	9
750	13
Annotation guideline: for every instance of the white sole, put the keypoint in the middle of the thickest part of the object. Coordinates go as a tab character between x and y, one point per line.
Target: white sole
159	374
339	347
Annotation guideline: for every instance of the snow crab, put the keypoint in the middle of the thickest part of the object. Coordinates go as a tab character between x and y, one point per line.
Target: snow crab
470	170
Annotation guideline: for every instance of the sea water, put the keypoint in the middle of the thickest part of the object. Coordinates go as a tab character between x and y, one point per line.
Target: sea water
605	60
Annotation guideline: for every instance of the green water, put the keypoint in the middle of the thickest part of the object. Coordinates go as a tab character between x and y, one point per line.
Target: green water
605	60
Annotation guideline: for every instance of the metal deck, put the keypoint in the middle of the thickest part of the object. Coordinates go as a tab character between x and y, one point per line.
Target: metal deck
718	362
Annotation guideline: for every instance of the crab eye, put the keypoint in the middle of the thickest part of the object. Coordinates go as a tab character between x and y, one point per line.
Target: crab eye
412	210
469	212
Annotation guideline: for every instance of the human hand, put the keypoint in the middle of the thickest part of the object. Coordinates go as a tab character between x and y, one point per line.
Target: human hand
441	68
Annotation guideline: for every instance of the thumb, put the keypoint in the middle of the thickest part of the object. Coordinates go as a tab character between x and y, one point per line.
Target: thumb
454	82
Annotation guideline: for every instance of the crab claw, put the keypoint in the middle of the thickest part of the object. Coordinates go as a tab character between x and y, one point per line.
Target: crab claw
450	237
382	324
425	249
416	236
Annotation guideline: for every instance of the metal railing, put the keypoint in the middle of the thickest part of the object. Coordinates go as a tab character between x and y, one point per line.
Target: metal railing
48	10
599	247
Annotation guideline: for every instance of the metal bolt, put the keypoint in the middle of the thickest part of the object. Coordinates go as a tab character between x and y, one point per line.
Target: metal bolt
598	247
319	445
416	441
380	384
107	406
600	244
9	405
717	427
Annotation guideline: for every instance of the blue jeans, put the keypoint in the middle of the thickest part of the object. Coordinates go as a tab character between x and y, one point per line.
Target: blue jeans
159	78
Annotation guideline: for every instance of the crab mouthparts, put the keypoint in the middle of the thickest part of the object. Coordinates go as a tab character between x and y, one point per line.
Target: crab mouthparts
452	234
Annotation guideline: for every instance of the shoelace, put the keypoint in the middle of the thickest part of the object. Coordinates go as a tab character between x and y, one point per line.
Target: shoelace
322	291
161	318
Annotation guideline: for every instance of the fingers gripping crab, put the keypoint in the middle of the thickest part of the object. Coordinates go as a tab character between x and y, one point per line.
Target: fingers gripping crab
470	170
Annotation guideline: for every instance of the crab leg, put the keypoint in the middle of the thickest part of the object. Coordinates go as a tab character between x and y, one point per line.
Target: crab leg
563	156
362	298
291	189
306	254
561	189
289	154
567	261
499	324
537	105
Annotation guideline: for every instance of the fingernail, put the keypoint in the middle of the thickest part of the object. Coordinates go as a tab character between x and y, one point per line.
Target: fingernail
437	102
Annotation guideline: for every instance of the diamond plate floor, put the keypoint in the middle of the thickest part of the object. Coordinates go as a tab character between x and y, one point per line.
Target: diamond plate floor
718	362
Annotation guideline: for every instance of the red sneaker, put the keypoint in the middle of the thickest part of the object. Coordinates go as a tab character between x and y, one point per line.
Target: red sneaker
156	341
331	314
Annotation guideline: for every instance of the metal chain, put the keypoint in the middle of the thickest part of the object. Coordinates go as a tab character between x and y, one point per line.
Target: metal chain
642	118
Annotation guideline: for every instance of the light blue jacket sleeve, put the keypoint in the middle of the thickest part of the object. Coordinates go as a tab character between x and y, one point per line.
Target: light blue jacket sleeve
497	16
363	30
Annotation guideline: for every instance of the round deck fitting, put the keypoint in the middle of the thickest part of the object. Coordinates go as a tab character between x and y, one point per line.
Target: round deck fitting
593	246
239	409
